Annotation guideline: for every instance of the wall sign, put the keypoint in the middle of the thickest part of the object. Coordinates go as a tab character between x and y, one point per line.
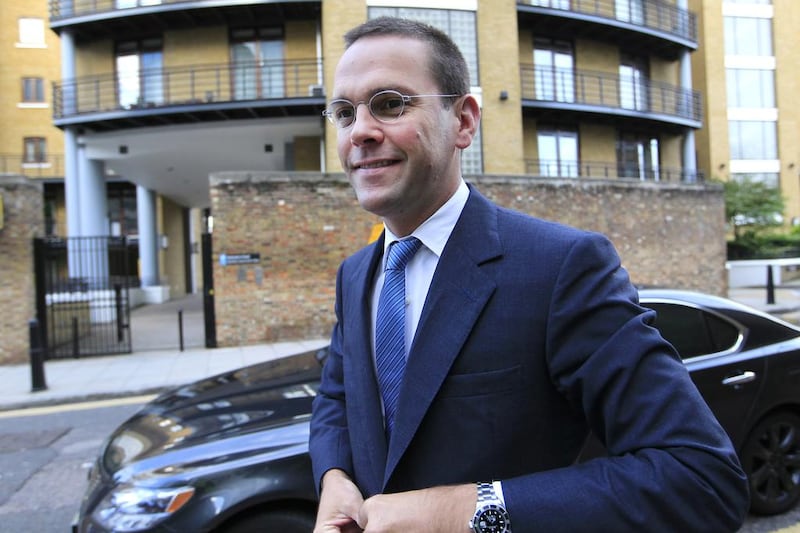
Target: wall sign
239	259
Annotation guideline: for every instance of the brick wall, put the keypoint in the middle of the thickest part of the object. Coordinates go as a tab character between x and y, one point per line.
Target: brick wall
303	224
23	220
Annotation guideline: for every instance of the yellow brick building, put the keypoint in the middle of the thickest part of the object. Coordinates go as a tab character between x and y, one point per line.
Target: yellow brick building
154	95
30	144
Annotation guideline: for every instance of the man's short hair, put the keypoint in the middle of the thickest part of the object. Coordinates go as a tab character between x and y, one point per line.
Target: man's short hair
446	62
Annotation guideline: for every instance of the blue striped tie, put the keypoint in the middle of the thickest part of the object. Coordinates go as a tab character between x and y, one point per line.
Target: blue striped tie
390	353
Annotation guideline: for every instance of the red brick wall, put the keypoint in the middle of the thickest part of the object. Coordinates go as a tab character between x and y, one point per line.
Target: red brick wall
304	224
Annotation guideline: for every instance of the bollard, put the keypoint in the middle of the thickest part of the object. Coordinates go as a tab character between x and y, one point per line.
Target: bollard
118	306
76	346
37	357
770	286
180	327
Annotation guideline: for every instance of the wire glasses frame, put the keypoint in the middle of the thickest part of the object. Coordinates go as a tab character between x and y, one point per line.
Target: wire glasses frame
385	106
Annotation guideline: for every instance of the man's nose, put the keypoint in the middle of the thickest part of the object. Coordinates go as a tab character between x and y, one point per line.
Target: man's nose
365	126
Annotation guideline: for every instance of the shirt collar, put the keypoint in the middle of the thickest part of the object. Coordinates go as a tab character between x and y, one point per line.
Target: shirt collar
434	232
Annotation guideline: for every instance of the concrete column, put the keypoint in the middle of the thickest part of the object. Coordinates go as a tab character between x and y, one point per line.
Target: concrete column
71	182
148	236
71	177
94	203
68	93
689	155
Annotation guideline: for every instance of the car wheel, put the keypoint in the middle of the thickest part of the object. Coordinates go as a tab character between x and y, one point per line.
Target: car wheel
771	460
283	521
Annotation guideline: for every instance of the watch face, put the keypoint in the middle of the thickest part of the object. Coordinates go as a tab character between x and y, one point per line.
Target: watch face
492	519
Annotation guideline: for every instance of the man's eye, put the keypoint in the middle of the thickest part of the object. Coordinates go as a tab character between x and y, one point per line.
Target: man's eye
343	113
389	105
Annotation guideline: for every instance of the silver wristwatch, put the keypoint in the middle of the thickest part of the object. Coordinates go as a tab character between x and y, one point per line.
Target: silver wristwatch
490	513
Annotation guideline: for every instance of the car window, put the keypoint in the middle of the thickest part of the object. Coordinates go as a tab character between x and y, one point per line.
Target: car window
693	332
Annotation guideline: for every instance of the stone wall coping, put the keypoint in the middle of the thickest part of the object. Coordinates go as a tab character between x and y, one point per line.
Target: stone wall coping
17	180
256	176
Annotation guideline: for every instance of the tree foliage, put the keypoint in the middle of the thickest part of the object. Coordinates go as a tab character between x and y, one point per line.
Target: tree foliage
752	206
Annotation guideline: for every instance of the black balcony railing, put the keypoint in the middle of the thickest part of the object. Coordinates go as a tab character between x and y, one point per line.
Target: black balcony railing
607	170
47	166
650	14
189	85
598	89
75	8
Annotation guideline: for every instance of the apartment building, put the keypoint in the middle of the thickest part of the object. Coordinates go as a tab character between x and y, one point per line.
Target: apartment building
746	68
151	96
163	92
30	145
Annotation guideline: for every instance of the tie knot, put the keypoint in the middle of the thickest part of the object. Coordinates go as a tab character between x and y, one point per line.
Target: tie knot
400	252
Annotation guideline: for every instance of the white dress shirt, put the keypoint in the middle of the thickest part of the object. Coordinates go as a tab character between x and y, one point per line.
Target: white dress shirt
433	233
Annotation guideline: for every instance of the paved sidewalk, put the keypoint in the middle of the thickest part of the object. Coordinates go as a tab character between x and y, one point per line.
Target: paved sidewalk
70	380
148	371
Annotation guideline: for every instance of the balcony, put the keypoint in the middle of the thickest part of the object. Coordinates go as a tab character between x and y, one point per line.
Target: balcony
608	170
47	166
661	28
123	19
608	97
188	94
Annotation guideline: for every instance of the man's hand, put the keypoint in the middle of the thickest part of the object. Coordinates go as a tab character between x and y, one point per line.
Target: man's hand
442	509
339	504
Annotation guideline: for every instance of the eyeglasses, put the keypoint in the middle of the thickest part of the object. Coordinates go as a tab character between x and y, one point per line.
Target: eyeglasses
386	106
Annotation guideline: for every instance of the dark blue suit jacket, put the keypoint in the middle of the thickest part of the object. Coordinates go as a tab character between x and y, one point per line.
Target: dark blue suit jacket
531	335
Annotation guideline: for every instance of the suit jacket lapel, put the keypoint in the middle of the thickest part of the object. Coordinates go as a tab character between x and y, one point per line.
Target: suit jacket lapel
458	293
365	415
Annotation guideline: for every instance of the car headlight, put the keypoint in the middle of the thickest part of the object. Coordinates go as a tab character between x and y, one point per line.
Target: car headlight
130	508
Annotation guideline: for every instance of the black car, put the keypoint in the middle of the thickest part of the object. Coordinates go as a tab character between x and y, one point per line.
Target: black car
230	453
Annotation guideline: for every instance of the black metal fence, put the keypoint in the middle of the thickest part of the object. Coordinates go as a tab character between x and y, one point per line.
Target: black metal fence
82	297
551	168
209	84
570	87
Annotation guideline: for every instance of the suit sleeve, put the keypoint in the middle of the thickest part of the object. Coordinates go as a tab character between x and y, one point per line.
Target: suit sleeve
329	443
670	466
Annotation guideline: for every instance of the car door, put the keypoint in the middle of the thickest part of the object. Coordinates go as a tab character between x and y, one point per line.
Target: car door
709	344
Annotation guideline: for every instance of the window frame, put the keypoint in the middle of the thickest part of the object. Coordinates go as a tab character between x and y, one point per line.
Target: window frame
34	85
31	33
36	148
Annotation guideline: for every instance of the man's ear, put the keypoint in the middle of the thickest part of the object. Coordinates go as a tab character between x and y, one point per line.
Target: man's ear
469	115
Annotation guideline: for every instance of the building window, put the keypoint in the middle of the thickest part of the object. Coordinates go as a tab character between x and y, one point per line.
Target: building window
125	4
750	139
558	152
555	4
745	36
32	90
122	209
630	10
633	87
553	62
770	179
750	88
140	76
31	33
460	26
34	150
638	156
258	63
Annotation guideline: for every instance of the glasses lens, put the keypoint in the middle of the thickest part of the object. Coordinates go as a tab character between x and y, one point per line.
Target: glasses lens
341	112
387	105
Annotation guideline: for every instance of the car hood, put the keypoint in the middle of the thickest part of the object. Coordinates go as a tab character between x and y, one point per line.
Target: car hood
258	409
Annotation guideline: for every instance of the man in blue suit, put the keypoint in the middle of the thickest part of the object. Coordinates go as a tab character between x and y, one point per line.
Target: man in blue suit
519	337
